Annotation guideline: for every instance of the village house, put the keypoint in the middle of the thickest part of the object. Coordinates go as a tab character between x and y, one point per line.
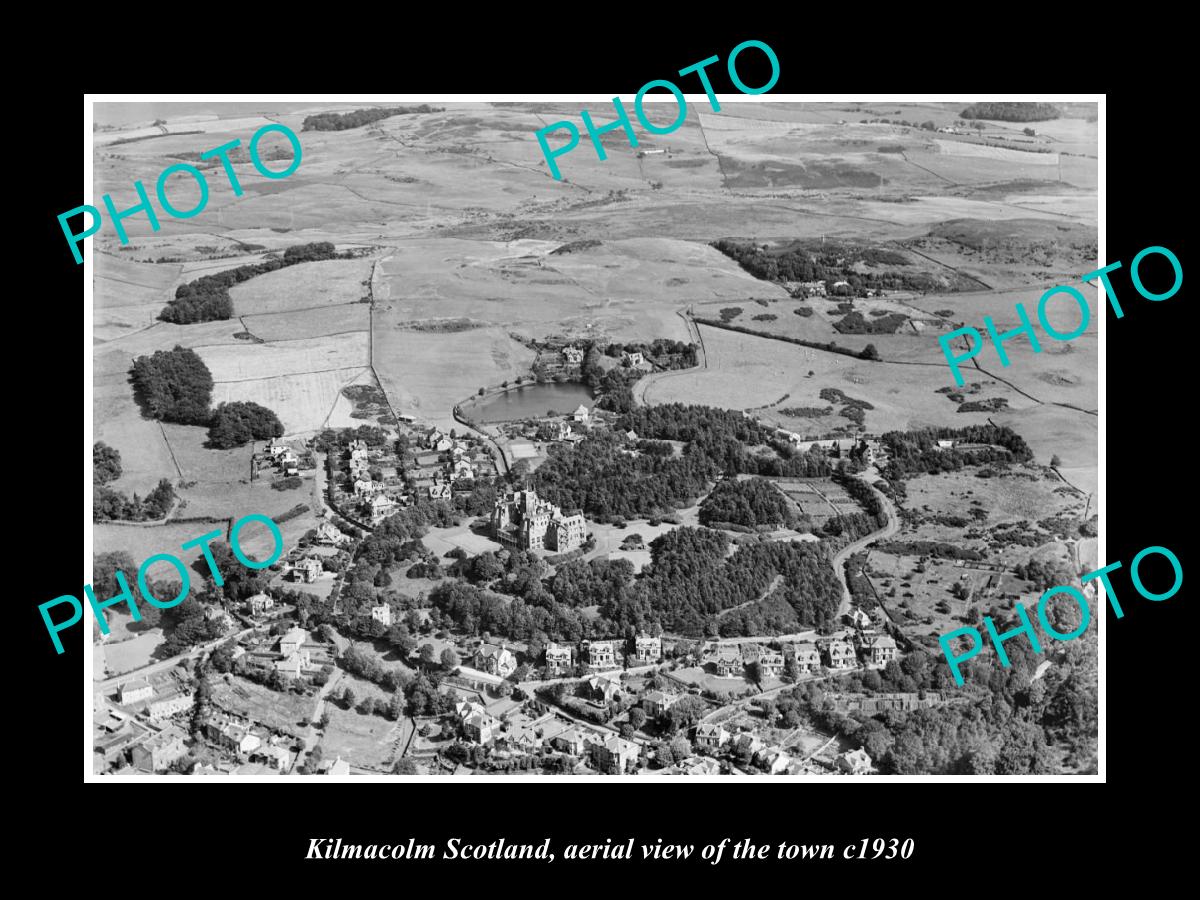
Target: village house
632	359
773	761
462	469
293	641
358	449
600	654
440	491
858	618
495	660
854	762
328	535
157	752
603	688
613	755
559	658
839	655
335	766
382	614
308	570
175	699
770	662
134	691
573	356
573	741
748	744
698	765
729	661
711	737
808	658
233	736
215	613
260	603
647	649
655	703
523	521
481	727
276	757
381	506
879	649
365	488
581	414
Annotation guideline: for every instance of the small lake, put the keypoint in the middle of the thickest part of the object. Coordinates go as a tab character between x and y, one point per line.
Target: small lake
533	401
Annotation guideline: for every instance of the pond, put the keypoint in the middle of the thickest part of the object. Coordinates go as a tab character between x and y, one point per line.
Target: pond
533	401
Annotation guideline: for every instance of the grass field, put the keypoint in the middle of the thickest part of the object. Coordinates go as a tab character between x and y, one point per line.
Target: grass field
275	710
427	374
748	372
327	283
309	323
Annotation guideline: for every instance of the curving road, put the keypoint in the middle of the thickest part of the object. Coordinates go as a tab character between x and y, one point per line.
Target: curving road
839	560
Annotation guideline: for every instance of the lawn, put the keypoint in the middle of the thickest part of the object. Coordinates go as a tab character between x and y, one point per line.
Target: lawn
367	741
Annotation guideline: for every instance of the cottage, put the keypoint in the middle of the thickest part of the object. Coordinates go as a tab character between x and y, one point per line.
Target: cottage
276	757
655	703
581	414
495	660
440	491
711	737
632	359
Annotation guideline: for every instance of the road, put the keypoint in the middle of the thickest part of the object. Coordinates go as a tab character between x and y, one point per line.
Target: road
309	739
839	560
168	663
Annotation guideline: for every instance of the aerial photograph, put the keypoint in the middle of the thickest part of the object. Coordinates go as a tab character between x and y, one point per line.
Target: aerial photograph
656	468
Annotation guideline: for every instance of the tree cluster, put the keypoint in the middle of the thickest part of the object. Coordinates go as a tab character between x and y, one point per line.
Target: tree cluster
754	502
237	423
332	121
1015	111
917	452
207	298
174	386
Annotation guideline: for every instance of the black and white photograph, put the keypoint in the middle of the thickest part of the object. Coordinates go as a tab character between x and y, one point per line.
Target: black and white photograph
517	439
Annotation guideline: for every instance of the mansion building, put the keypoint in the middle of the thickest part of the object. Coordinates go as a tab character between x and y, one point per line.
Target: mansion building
523	521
